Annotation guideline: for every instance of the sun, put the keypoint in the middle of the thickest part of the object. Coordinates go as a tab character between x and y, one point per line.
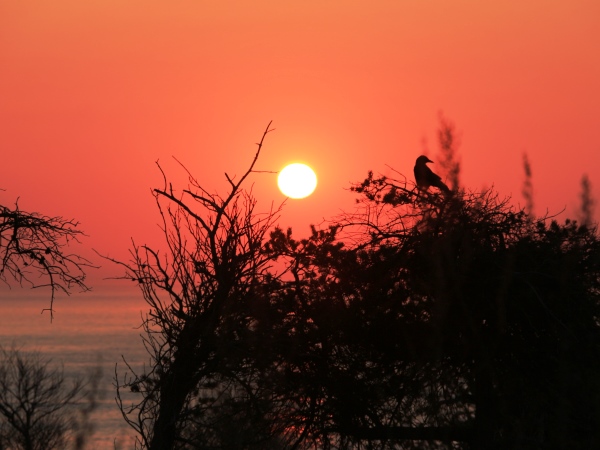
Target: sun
297	180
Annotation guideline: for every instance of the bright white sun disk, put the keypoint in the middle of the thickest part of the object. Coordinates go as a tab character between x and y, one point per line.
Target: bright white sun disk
297	180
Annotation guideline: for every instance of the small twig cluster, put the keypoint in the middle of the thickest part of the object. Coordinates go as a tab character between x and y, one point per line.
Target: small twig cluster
34	251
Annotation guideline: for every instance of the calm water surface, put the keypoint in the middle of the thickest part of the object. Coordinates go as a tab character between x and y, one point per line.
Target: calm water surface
88	331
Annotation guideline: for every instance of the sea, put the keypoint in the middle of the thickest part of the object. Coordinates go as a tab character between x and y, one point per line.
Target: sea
89	331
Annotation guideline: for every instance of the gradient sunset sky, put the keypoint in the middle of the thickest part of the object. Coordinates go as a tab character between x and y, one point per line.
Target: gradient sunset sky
93	92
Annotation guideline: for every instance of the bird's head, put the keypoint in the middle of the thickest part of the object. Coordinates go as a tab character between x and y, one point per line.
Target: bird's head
423	160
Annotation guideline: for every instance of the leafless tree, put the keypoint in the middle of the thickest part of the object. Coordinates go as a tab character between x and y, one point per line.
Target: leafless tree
34	251
196	290
39	408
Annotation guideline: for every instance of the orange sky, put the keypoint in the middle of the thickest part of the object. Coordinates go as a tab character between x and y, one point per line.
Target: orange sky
92	93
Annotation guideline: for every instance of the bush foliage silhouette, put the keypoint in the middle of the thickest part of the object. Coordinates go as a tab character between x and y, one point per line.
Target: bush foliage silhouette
420	320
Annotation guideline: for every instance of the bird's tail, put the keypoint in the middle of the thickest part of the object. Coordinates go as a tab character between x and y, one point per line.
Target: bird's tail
442	187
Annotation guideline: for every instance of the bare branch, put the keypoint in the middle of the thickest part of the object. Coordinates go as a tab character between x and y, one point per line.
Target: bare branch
33	250
212	264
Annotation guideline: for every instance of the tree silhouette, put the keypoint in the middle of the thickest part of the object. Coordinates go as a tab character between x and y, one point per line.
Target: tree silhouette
459	319
586	211
198	292
449	142
418	321
39	408
527	190
33	251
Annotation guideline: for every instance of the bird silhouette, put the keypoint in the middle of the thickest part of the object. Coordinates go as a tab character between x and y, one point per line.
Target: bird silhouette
425	177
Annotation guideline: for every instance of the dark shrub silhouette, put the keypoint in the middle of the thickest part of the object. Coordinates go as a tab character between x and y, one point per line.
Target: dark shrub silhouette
421	321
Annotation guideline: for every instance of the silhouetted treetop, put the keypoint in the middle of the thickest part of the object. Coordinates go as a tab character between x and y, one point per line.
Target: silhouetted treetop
420	320
441	315
34	251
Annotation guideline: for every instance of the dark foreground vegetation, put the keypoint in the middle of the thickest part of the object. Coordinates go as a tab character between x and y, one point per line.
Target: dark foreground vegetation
421	320
40	407
426	319
35	251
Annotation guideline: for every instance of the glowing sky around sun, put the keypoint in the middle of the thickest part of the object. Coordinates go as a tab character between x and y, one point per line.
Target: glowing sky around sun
93	93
